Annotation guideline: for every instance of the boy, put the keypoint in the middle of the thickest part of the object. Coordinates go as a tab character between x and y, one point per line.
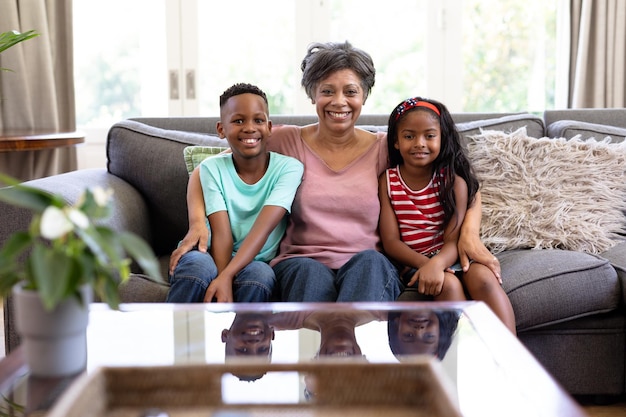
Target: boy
247	195
249	337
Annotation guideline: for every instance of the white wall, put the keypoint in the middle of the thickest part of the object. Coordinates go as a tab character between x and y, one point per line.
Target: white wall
92	153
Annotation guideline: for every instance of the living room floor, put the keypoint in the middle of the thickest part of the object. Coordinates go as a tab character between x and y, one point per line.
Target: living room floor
613	410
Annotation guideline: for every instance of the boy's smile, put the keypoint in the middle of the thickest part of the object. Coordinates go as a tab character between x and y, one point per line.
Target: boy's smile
245	124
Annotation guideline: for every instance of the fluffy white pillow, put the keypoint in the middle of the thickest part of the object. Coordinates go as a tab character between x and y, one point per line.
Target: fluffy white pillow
549	193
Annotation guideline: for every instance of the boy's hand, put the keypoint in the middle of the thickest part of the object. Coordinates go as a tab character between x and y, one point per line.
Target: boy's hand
197	235
220	289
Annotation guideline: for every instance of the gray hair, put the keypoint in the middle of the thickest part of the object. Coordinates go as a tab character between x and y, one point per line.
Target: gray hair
323	59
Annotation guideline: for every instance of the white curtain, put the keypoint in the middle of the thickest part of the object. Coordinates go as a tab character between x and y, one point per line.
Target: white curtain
598	54
38	93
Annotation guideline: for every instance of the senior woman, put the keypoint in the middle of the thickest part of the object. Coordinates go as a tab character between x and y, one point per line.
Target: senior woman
331	249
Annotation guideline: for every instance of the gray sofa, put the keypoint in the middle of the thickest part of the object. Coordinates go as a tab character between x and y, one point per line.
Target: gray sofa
569	305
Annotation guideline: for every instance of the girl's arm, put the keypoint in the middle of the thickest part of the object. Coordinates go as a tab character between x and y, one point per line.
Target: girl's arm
430	277
198	234
470	246
221	287
390	232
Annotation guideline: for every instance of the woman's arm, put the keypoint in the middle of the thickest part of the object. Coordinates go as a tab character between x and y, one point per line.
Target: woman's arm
470	246
198	233
431	275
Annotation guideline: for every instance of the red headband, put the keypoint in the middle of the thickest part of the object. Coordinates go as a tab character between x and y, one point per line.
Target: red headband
411	103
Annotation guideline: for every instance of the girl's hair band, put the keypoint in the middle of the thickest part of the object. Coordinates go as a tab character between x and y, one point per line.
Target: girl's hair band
411	103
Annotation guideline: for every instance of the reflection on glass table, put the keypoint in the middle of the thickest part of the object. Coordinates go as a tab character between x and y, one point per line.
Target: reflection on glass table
487	370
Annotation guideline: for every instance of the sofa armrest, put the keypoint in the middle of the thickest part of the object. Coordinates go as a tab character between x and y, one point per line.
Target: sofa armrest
129	213
129	209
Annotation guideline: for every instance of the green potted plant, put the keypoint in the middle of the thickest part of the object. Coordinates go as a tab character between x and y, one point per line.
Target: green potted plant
66	255
8	39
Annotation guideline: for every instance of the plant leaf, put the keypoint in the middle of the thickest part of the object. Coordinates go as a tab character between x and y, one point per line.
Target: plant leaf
28	197
11	38
10	265
92	207
99	243
14	246
142	254
108	290
52	272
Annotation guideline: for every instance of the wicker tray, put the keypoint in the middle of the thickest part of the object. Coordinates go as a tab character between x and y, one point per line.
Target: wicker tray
344	389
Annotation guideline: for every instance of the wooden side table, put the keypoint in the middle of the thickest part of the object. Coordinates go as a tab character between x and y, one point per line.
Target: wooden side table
31	154
33	140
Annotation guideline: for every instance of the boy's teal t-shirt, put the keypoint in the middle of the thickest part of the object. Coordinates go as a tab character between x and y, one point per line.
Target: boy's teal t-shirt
223	189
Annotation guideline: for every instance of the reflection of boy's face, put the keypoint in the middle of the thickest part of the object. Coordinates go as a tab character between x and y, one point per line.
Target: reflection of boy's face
248	336
418	332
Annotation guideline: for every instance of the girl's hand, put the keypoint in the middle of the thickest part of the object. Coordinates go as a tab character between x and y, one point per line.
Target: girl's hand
220	289
429	279
197	235
470	247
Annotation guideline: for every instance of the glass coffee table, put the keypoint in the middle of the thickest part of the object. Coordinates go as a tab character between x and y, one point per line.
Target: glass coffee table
302	359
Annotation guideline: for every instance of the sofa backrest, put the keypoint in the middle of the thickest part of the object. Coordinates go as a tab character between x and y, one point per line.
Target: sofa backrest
148	154
151	160
587	123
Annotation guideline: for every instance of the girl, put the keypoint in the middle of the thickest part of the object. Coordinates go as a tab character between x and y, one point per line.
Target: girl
424	196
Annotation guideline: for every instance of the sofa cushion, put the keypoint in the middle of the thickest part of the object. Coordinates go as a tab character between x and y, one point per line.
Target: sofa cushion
141	289
193	155
151	160
374	128
617	257
550	286
549	193
572	128
534	125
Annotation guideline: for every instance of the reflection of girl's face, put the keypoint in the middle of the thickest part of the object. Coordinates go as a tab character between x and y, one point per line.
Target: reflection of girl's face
418	333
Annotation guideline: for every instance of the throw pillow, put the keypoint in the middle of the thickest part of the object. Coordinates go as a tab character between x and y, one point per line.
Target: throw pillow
549	193
195	154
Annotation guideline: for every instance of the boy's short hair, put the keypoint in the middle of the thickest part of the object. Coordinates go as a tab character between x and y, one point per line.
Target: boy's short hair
242	88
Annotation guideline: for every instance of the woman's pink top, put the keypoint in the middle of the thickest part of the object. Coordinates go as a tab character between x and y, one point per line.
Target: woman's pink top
335	213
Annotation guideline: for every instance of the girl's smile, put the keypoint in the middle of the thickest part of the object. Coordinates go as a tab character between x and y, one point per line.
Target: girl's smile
419	139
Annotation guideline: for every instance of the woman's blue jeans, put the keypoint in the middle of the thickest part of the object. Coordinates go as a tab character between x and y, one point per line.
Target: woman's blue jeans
367	276
195	271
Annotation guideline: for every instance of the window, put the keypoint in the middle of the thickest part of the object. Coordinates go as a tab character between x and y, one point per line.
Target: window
509	55
119	61
175	57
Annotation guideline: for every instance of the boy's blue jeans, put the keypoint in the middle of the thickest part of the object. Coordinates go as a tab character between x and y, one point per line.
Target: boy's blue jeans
367	276
195	271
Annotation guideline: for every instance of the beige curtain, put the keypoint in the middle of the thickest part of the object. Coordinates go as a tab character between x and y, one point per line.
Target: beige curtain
598	54
38	94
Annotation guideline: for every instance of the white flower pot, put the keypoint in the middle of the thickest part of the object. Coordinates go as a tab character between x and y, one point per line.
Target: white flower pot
54	342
